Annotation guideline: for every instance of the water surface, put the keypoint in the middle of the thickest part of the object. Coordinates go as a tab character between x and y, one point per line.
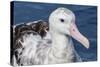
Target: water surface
86	20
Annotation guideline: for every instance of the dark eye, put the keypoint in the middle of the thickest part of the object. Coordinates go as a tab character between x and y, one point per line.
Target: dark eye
62	20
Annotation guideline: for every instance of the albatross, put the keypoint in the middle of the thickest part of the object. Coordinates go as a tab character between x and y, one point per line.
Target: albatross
41	42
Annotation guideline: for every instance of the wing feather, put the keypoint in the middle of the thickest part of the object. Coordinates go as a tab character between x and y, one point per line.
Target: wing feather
31	43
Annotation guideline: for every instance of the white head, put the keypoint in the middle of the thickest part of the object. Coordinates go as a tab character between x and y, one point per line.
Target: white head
62	21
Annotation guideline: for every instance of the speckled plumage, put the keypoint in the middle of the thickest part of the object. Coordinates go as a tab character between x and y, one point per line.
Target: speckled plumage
41	42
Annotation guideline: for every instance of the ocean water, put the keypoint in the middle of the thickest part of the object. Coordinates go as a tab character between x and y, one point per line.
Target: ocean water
86	20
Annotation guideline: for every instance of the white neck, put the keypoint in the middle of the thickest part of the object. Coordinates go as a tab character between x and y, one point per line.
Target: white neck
61	44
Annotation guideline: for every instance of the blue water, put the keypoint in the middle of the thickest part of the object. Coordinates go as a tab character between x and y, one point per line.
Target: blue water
86	20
